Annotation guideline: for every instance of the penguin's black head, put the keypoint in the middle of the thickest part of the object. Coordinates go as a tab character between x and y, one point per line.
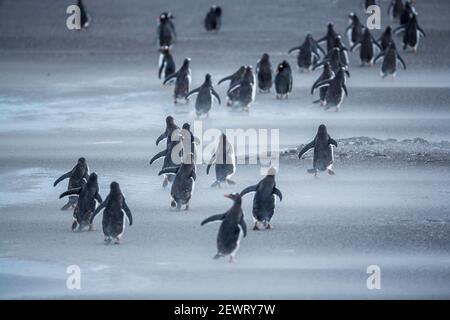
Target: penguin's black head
327	66
322	131
217	10
82	160
115	189
208	77
187	126
366	32
388	29
330	26
186	62
235	196
170	120
265	57
92	177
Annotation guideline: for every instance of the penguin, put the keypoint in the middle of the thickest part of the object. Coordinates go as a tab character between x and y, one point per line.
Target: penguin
113	221
234	79
386	38
343	52
334	58
283	80
323	158
166	30
407	13
264	74
77	178
85	17
247	89
335	91
189	140
183	183
366	45
225	162
166	63
205	96
354	30
329	38
327	74
172	156
87	195
171	127
307	57
412	33
213	19
395	9
182	80
231	230
315	46
264	200
390	60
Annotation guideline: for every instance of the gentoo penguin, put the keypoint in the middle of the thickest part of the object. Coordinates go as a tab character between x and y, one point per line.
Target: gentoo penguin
395	9
183	183
386	38
87	195
246	88
113	221
264	200
231	230
412	33
166	63
327	74
182	80
306	57
85	17
213	19
343	52
283	80
172	157
329	37
323	151
77	178
354	30
336	89
390	58
366	45
225	162
315	46
407	13
170	129
205	96
166	30
334	58
264	73
234	79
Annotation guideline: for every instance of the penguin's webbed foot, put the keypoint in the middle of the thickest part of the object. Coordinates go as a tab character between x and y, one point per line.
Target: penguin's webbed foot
230	182
217	256
67	206
331	172
269	226
256	227
215	184
91	227
74	226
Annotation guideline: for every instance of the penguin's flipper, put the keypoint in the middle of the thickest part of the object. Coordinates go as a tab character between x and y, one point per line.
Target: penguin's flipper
170	78
225	79
375	42
355	46
306	149
379	56
70	192
193	175
333	142
161	137
98	209
347	73
345	89
172	170
277	192
318	46
422	33
161	68
401	61
243	226
208	167
249	189
233	88
320	84
319	64
64	176
158	155
216	217
216	95
195	91
127	212
98	198
398	30
323	39
294	49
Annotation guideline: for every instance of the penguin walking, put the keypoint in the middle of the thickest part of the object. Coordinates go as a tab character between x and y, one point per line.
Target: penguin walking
367	46
391	58
231	230
247	89
323	158
172	157
395	9
213	19
205	96
87	195
336	89
78	176
329	38
385	38
166	63
171	127
335	59
407	13
264	200
224	160
354	30
264	74
182	79
166	30
327	74
113	221
411	34
234	79
283	80
85	17
306	57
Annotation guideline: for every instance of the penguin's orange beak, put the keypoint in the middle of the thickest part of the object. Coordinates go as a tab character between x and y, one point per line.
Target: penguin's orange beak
227	195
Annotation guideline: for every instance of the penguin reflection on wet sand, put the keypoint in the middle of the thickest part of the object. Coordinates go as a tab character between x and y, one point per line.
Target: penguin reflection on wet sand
231	230
234	79
283	80
367	46
264	200
224	160
213	19
113	221
323	158
205	94
166	63
391	58
264	74
85	207
336	89
182	79
77	178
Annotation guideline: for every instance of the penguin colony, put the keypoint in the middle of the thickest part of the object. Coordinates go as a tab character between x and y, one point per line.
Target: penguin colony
180	170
